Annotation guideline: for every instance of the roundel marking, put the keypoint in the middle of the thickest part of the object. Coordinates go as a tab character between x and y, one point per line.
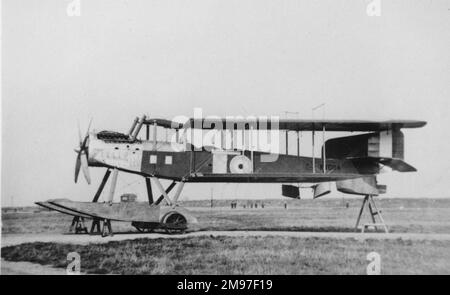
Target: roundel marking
240	164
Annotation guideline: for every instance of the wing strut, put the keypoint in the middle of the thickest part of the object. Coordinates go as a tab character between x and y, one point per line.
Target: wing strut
164	193
102	185
149	190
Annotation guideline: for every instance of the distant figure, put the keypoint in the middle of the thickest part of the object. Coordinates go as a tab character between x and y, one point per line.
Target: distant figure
285	205
256	205
347	205
262	205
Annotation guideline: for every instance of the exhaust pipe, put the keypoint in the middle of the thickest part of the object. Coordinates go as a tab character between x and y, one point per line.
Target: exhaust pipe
136	120
138	128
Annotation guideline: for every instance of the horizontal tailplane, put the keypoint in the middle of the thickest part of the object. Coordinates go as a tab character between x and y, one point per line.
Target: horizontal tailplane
395	164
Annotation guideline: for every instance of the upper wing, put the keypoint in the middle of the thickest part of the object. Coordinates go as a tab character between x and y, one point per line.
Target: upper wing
347	125
289	124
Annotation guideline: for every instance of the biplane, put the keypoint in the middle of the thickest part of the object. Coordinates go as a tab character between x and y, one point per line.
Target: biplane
177	151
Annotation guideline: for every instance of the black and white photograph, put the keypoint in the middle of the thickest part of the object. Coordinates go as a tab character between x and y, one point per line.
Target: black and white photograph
225	143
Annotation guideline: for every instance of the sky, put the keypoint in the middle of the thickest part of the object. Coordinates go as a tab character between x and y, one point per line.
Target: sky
121	59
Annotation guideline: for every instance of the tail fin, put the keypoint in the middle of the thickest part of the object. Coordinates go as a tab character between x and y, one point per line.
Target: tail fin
383	144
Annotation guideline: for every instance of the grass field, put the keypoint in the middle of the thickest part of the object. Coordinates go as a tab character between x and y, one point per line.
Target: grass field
253	255
250	255
402	215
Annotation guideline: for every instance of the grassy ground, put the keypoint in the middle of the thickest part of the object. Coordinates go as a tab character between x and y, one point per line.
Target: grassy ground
250	255
402	215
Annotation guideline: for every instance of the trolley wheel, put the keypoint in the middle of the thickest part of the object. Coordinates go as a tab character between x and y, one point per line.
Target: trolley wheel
175	223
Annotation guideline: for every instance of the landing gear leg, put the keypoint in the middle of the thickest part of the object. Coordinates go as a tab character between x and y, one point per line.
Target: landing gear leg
148	183
373	210
99	226
172	222
102	186
95	226
161	197
165	193
113	185
107	229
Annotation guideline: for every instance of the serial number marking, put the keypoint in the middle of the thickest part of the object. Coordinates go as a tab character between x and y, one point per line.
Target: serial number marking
246	284
236	284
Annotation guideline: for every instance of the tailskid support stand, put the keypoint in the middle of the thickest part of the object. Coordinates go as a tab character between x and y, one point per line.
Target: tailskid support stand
101	227
78	225
96	227
373	210
106	228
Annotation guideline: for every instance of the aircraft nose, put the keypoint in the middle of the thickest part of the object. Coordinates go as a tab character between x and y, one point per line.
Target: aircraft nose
82	156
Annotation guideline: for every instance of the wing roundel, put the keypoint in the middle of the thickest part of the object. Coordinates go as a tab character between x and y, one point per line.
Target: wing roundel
240	164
